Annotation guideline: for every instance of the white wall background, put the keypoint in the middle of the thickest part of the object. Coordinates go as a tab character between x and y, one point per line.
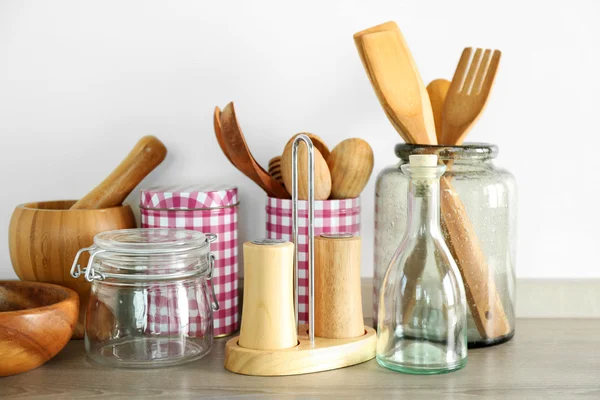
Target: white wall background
81	82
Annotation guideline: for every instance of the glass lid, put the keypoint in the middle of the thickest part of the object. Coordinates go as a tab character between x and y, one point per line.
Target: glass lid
150	241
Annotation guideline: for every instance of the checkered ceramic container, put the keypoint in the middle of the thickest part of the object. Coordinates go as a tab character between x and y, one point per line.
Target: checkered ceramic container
331	216
207	210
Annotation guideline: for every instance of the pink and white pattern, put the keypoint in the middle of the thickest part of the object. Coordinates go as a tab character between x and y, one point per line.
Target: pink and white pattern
212	210
331	216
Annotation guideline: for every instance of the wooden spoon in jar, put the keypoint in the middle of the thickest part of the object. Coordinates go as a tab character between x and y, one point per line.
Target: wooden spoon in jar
437	90
240	155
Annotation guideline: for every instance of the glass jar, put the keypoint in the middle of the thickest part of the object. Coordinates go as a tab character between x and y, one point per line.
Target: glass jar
488	195
149	303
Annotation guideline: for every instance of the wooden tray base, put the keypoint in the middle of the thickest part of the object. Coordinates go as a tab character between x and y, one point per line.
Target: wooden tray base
306	357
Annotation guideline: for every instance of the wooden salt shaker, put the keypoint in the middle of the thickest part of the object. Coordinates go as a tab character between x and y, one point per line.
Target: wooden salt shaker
338	303
268	318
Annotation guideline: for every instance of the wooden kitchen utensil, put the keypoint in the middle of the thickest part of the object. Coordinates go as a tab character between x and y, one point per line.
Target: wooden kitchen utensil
389	59
36	322
338	301
242	158
43	238
219	133
322	175
397	83
350	165
275	169
141	160
317	142
468	93
268	321
437	91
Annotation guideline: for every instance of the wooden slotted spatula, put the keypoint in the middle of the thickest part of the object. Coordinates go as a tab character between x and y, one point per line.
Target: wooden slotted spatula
397	83
468	93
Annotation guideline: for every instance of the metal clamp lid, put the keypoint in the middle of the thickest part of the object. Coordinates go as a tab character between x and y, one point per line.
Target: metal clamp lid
91	274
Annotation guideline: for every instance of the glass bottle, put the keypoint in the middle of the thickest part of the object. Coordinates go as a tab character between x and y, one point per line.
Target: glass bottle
422	326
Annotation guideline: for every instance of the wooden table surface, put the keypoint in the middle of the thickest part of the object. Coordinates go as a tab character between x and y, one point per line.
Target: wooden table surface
547	359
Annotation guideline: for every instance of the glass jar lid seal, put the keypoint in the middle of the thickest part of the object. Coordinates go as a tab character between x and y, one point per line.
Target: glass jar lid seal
146	241
467	152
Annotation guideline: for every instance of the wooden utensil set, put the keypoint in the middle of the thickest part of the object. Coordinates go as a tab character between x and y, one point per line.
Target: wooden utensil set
341	173
442	113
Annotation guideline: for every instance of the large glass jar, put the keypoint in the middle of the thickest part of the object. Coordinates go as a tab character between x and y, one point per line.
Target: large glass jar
149	303
485	198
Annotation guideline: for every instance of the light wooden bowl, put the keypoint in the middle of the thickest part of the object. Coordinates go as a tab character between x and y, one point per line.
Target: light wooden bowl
36	322
45	236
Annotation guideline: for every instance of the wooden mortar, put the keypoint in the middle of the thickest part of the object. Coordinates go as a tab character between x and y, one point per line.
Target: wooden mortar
45	236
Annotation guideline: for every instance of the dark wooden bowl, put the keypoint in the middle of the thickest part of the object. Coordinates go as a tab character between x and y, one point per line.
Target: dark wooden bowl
45	236
36	322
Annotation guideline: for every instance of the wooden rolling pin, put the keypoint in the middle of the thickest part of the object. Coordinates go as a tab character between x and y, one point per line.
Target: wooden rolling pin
268	318
338	303
141	160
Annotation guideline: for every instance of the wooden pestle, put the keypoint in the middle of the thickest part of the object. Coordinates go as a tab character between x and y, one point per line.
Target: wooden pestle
141	160
338	303
268	318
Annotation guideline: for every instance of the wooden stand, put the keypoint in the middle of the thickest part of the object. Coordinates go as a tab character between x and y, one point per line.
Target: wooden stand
267	350
320	355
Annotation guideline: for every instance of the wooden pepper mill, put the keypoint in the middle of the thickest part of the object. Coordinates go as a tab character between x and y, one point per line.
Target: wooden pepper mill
338	303
268	319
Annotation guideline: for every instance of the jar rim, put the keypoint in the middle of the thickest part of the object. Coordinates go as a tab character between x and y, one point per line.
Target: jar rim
151	241
468	151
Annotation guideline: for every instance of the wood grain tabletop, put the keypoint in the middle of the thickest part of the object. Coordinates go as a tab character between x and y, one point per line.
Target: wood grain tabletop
547	359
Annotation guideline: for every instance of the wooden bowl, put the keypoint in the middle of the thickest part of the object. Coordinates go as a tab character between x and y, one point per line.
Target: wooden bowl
36	322
45	236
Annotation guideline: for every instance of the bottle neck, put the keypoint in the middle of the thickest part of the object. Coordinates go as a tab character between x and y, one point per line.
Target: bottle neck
424	207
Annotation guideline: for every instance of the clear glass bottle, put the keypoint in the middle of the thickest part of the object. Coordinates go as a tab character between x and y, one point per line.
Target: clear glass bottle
150	304
489	196
422	327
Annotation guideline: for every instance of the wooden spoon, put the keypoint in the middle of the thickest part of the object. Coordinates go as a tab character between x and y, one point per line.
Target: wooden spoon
241	157
141	160
397	83
468	93
322	175
437	91
350	165
317	142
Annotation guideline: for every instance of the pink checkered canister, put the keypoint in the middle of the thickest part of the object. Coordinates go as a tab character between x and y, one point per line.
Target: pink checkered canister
331	216
207	210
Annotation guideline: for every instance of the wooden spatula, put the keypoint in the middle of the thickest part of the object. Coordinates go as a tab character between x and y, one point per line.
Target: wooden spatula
437	91
141	160
397	83
468	93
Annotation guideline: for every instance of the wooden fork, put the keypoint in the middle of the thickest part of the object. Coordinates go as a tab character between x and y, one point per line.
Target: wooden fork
468	93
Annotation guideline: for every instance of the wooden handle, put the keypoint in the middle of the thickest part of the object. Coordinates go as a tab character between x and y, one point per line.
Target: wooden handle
484	302
437	90
141	160
268	319
338	303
